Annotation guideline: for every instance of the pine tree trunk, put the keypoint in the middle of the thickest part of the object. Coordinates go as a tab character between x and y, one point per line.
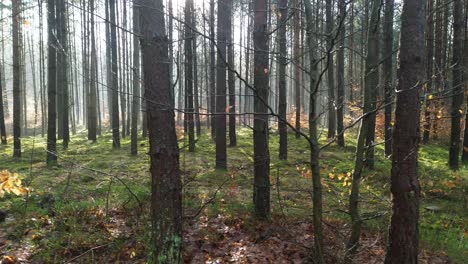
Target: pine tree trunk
465	62
330	70
222	31
114	71
92	108
51	84
16	9
166	200
189	73
261	194
388	73
341	75
282	63
312	44
136	81
403	236
458	85
3	138
212	71
231	82
297	69
371	83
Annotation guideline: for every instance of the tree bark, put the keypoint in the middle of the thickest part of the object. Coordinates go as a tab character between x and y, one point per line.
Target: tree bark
51	85
115	81
136	81
92	108
403	236
371	83
222	28
166	187
388	73
458	85
261	194
282	63
189	73
16	12
212	71
330	70
341	75
231	82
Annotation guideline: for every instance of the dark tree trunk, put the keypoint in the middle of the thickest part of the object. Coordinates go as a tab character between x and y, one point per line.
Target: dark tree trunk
189	73
458	85
63	66
330	70
231	82
371	83
312	44
212	70
341	75
465	62
92	108
220	124
115	81
136	82
388	73
296	63
403	236
166	187
261	194
282	62
51	85
429	69
3	138
16	9
373	52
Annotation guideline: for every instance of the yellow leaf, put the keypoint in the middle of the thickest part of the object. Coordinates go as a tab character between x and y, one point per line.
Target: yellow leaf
430	96
331	175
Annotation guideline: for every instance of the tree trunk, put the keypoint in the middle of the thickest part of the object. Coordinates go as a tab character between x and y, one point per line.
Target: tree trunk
388	73
330	70
212	71
166	187
341	75
465	62
231	82
261	194
282	63
313	135
3	138
115	81
51	85
16	9
136	81
429	69
403	236
223	25
189	73
458	85
92	108
371	83
296	63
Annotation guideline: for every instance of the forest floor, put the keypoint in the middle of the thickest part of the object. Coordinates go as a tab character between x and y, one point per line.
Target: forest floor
94	206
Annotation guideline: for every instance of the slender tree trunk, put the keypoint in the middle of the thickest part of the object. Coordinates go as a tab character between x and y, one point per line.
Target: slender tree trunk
282	63
166	199
261	194
458	85
92	108
3	137
465	62
223	25
16	11
297	69
330	70
373	51
429	69
212	70
51	85
403	236
388	73
136	81
189	73
115	81
231	82
371	83
341	76
313	135
196	97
